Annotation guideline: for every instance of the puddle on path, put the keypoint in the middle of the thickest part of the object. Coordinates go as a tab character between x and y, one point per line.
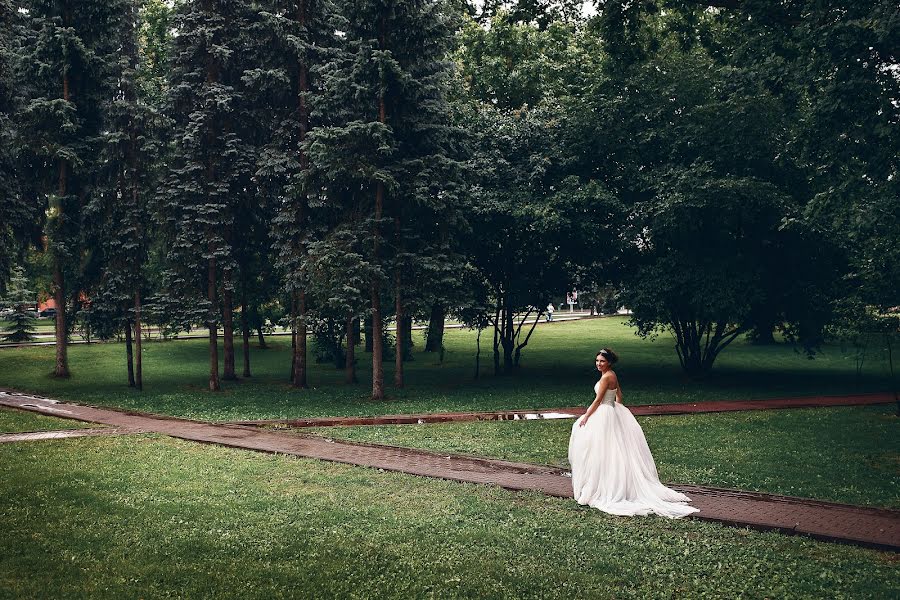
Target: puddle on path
537	415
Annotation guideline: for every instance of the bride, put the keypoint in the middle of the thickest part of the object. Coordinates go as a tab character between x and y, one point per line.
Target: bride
612	468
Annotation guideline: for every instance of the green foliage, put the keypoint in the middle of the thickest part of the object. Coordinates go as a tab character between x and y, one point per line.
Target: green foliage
523	150
22	300
209	161
512	64
18	214
120	229
63	51
698	270
155	41
532	228
702	150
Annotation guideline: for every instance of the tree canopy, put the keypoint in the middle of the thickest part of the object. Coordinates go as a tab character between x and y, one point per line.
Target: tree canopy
722	168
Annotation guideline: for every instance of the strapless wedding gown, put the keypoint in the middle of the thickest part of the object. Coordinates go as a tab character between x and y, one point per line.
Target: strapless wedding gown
612	468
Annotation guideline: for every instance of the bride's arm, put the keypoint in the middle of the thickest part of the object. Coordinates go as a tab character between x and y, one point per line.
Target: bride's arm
601	390
619	394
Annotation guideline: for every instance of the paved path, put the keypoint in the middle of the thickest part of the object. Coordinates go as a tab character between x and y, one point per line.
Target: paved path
876	528
571	413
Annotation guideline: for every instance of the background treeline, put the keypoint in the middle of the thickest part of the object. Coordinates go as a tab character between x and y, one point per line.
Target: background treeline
721	168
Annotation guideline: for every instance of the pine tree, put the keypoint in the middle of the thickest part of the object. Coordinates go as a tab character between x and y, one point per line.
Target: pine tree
396	141
18	214
60	76
21	300
208	161
298	38
119	211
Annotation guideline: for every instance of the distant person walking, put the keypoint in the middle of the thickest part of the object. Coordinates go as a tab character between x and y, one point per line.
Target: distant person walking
550	310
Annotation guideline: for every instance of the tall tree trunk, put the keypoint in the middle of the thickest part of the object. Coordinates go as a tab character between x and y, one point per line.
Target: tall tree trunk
350	364
889	340
377	345
436	328
377	324
367	326
130	50
138	370
212	76
261	339
59	284
507	339
400	337
129	354
228	330
214	384
478	353
303	89
498	326
293	336
59	297
300	347
245	329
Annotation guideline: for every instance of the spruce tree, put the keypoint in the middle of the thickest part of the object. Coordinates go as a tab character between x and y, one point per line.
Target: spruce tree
396	142
60	76
119	211
17	214
208	161
298	39
394	86
21	300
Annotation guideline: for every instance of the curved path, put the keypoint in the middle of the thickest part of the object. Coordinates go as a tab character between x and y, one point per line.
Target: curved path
871	527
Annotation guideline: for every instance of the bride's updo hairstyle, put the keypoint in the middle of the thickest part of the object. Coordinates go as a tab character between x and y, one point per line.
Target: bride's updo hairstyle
610	356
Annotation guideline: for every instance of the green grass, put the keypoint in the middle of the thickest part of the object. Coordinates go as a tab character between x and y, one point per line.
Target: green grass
153	517
841	454
20	421
557	370
40	325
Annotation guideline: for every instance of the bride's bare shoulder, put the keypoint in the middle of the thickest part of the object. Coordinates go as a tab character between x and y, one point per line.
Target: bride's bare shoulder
612	382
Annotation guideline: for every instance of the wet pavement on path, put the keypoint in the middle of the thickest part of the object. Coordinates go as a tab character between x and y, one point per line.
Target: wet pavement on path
878	528
571	413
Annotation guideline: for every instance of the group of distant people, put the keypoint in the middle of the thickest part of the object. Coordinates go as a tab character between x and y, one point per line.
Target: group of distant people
571	300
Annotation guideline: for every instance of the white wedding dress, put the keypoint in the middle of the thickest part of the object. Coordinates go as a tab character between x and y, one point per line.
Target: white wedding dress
612	468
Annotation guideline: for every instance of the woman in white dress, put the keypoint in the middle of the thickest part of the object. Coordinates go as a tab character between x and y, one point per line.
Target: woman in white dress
612	468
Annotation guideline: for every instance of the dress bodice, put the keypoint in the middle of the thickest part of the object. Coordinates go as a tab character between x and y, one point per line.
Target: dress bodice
609	397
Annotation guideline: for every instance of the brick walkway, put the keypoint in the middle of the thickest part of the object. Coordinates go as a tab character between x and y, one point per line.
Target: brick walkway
571	413
876	528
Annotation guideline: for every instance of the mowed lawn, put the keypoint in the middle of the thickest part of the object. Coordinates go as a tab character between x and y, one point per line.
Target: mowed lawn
847	454
149	517
21	421
557	370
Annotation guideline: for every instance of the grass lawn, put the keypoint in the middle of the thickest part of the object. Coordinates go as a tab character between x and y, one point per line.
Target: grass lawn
20	421
841	454
153	517
557	370
41	325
